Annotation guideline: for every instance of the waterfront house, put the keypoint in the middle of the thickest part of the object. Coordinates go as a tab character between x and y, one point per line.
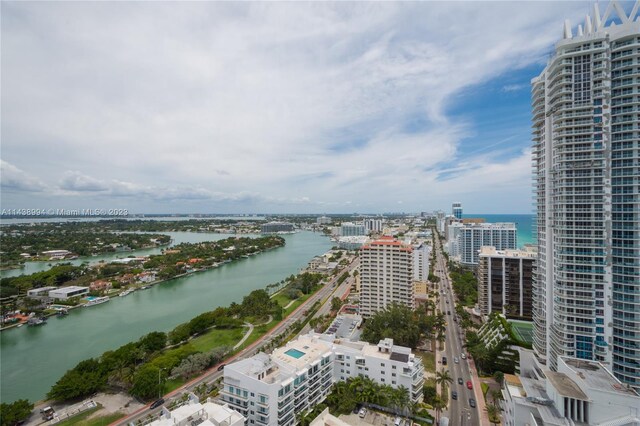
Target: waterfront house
100	285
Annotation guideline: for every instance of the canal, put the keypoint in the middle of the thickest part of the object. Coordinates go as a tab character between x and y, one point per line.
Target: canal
33	358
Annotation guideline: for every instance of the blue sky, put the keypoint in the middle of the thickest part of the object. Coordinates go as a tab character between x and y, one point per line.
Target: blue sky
272	107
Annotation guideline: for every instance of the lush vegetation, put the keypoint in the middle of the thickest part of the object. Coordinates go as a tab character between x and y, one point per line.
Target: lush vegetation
15	413
176	260
346	395
404	326
464	284
78	238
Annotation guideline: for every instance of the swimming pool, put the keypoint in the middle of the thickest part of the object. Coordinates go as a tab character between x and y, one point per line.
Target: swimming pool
90	298
294	353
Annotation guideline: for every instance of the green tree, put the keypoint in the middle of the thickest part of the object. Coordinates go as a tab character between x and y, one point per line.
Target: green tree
148	382
14	413
336	304
84	379
153	341
443	378
397	322
494	413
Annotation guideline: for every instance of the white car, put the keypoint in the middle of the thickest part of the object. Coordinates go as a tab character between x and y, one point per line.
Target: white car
456	360
362	412
463	356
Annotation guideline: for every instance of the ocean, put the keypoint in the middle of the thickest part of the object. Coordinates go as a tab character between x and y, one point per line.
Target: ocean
524	223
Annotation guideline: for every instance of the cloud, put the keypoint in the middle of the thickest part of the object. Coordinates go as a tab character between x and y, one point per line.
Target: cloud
256	103
14	179
514	87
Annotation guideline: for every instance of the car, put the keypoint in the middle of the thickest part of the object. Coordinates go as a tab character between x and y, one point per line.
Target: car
456	359
469	384
444	360
460	381
397	421
472	403
463	355
157	403
362	412
448	312
447	300
221	367
454	395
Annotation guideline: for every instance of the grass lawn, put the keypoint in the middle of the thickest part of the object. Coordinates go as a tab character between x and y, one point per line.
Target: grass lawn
80	419
173	384
103	420
218	337
485	389
428	360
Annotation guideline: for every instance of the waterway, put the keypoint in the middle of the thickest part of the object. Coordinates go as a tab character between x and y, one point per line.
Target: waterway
33	358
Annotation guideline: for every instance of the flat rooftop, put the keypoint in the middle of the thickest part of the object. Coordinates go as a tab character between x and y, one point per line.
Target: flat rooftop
565	385
596	376
301	352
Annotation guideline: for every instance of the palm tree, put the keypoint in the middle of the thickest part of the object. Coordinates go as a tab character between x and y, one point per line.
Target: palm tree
494	413
496	395
442	378
438	405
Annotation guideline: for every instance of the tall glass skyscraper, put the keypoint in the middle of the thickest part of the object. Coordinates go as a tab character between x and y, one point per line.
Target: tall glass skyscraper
586	163
456	210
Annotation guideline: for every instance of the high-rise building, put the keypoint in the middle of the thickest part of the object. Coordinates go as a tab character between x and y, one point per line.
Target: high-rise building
456	210
386	275
472	236
350	229
372	225
586	164
421	255
504	281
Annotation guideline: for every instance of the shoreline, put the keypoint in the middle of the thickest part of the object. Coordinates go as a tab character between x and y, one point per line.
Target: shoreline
153	283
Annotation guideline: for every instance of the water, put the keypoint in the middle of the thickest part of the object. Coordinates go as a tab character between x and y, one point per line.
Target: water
524	223
33	358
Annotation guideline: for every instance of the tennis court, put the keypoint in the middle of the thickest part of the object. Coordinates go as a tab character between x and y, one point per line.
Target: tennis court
523	330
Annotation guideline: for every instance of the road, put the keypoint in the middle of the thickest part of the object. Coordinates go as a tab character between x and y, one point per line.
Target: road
459	411
212	375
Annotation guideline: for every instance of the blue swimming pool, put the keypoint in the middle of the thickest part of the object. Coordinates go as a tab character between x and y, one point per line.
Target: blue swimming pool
90	298
294	353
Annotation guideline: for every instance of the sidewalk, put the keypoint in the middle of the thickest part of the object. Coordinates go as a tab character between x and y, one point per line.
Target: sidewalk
477	391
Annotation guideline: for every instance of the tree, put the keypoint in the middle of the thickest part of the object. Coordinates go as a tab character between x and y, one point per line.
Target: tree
14	413
430	393
336	304
439	404
397	322
499	376
496	395
145	382
153	341
84	379
443	378
494	413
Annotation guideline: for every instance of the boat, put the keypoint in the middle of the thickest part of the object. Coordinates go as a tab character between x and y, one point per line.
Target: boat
36	321
144	287
62	312
97	301
125	293
20	325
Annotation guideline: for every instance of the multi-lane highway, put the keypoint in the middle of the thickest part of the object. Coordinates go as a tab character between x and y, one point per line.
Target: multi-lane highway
214	374
459	410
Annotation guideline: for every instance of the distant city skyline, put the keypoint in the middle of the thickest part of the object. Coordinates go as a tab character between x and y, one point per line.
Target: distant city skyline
272	107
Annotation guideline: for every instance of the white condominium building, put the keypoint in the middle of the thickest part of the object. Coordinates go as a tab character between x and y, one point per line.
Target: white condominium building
580	392
373	225
472	236
586	164
350	229
271	389
193	412
421	257
386	275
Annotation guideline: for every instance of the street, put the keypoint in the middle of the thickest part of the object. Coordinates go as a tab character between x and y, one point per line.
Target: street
212	375
459	411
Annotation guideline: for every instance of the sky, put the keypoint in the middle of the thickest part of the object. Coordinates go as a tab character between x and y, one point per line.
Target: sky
272	107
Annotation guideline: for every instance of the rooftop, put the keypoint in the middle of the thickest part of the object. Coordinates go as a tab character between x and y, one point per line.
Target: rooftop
595	376
566	386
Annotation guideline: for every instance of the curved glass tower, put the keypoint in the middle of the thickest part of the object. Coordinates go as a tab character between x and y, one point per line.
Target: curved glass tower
586	164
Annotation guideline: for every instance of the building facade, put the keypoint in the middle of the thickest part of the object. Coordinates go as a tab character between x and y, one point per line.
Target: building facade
271	389
373	225
386	275
421	257
276	227
505	281
349	229
192	411
586	151
580	392
472	236
456	210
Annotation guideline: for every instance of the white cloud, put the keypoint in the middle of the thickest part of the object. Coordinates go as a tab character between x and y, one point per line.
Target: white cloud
255	103
14	179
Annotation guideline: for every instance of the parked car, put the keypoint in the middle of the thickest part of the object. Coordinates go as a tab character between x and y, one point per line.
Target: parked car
456	360
463	355
472	403
47	413
362	412
221	367
157	403
454	395
469	384
460	381
444	360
